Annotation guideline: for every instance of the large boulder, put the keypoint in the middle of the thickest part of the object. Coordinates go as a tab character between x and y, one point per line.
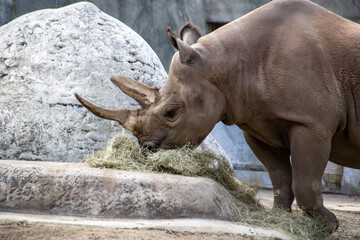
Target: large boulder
48	55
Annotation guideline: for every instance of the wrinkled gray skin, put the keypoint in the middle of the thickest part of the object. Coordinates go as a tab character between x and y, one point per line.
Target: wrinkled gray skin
287	74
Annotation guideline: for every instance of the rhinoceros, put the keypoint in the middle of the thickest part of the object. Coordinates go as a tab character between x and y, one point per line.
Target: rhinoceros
287	74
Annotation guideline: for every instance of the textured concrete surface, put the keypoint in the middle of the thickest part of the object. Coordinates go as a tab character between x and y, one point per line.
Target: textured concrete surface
78	190
256	178
350	183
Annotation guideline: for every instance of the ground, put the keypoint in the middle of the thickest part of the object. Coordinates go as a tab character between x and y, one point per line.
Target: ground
348	216
345	207
349	225
16	231
349	229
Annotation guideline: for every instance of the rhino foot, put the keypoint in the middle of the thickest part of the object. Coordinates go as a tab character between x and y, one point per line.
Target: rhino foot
327	215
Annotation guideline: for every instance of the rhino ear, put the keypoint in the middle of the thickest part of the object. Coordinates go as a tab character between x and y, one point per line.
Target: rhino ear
186	52
189	33
172	38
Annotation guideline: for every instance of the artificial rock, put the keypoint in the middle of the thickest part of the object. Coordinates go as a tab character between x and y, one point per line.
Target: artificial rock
48	55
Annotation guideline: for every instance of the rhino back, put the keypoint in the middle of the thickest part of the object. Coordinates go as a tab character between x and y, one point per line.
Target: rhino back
292	62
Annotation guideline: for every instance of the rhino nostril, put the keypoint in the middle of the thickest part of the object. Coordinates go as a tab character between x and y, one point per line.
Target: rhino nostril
149	147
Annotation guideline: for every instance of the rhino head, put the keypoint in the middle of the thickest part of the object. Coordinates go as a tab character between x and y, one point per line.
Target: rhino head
184	110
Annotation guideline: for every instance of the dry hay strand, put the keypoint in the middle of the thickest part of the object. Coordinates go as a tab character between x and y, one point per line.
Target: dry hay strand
123	152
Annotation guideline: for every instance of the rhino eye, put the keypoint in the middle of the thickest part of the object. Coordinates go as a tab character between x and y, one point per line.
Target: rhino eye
170	113
173	111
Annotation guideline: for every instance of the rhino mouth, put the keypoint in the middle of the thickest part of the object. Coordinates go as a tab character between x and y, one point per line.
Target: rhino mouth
153	147
150	147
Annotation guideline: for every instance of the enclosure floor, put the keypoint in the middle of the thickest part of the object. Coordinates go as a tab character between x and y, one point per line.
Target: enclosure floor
173	225
338	202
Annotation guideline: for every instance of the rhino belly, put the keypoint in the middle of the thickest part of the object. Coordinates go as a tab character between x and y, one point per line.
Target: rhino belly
345	153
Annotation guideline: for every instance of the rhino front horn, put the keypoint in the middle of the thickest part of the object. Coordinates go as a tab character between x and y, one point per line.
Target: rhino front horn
126	117
142	93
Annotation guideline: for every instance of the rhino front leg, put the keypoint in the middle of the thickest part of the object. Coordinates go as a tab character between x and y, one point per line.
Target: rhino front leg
310	151
277	163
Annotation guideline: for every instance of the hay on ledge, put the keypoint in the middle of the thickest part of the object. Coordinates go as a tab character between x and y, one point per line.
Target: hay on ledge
123	152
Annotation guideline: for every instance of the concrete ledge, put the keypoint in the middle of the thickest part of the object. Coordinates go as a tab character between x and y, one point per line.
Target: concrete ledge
256	178
77	190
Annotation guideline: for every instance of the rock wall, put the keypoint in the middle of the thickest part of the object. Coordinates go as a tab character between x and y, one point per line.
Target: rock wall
5	11
151	18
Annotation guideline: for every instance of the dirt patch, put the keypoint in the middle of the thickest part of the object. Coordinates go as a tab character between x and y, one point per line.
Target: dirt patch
349	229
349	225
349	221
24	230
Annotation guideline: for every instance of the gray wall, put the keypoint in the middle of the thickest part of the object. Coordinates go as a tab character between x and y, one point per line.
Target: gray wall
150	18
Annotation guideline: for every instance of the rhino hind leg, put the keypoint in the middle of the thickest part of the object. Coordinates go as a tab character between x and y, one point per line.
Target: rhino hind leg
310	153
277	163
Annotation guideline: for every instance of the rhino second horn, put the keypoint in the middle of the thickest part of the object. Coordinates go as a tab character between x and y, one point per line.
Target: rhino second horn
187	53
142	93
125	117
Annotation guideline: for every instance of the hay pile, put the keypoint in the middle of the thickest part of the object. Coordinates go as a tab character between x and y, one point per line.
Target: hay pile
123	152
